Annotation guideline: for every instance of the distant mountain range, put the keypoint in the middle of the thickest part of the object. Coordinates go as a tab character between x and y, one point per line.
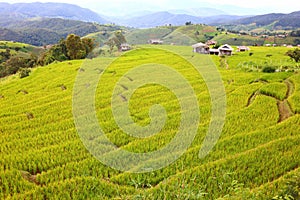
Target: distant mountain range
10	13
47	23
41	31
166	18
49	10
291	20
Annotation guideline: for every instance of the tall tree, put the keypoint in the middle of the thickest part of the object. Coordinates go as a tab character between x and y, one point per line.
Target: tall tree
75	48
110	43
119	39
89	44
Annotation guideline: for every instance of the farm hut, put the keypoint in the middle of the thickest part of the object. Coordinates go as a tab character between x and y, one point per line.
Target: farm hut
201	48
242	48
225	50
214	51
125	47
155	41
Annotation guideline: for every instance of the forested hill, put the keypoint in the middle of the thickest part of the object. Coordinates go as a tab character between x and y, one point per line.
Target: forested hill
290	21
41	31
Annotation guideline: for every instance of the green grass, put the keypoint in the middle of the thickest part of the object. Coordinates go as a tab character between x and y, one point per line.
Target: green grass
259	57
182	35
142	36
23	49
253	159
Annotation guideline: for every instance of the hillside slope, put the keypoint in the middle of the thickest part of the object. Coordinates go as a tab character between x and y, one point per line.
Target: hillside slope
43	31
277	20
42	156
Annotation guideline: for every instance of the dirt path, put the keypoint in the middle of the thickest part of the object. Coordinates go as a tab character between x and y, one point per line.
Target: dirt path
252	97
290	89
284	107
284	110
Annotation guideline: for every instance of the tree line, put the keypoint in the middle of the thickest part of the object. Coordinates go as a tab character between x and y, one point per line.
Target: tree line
71	48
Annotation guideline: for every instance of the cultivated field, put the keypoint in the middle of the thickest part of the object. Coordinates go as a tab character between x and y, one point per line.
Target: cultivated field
256	157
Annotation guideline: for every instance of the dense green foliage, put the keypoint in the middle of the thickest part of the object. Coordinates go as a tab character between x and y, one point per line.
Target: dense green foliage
257	157
71	48
269	69
294	54
17	56
274	20
46	31
116	41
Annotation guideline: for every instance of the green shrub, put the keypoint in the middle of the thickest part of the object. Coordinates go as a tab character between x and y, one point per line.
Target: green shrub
24	72
268	70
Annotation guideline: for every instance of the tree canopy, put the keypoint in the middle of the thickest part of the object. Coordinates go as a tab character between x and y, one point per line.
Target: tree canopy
73	47
294	54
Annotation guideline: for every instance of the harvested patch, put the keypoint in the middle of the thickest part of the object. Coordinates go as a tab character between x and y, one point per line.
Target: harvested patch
29	177
1	96
99	71
63	87
230	81
22	91
29	115
124	87
123	98
129	78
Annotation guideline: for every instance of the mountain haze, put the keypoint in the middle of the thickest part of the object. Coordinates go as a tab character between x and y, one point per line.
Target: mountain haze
50	10
166	18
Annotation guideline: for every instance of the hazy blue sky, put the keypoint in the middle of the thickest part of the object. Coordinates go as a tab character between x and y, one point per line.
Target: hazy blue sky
113	7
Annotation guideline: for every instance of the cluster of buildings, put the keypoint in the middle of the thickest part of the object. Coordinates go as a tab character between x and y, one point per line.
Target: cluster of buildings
202	48
284	45
224	50
127	47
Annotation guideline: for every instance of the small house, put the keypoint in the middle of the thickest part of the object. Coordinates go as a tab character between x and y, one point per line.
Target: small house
201	48
125	47
225	50
242	48
155	41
